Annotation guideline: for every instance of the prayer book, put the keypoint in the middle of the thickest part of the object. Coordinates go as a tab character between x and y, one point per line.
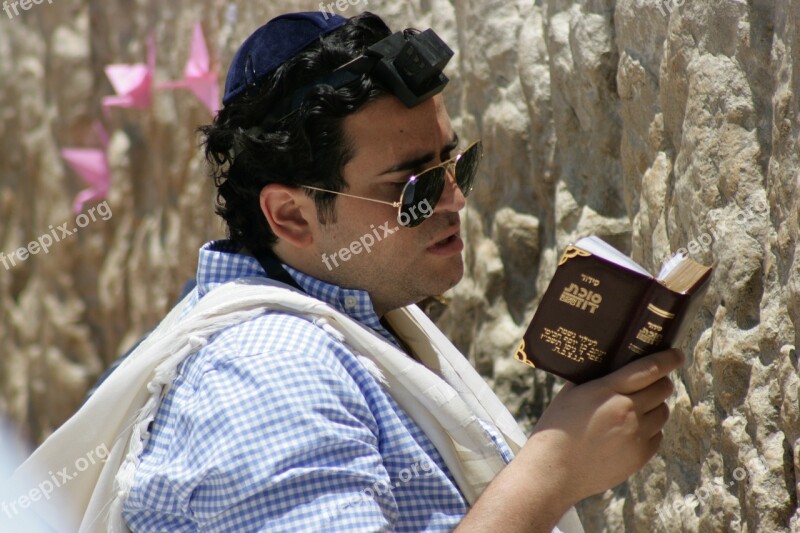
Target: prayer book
602	310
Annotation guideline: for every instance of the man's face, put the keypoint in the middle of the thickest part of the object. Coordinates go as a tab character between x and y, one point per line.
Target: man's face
403	265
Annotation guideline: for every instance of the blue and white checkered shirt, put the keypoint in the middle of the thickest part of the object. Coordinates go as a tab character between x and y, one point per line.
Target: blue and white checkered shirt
276	426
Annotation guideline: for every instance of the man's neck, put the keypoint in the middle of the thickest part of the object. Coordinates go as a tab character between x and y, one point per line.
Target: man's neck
406	348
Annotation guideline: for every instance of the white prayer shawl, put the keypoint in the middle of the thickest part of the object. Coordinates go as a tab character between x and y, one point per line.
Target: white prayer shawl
445	397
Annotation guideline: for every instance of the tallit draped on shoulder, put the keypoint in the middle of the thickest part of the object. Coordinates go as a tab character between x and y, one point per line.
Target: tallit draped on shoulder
445	396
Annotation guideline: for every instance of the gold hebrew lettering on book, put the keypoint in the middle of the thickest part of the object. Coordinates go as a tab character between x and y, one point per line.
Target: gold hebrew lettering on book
564	342
649	336
581	298
590	280
567	343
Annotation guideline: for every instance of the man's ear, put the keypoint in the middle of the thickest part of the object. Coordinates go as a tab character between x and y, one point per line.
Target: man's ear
288	211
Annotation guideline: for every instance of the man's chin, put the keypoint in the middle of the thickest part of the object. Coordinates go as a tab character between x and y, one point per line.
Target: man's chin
449	277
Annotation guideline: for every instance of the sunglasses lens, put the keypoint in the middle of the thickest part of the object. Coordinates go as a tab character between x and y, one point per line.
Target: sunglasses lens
467	167
420	196
422	192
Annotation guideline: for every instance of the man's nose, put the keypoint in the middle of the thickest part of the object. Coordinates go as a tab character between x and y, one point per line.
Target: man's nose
452	198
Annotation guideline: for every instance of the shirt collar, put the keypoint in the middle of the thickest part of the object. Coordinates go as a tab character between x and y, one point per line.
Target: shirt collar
222	261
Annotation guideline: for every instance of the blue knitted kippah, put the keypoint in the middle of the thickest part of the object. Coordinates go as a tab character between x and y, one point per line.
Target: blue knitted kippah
273	44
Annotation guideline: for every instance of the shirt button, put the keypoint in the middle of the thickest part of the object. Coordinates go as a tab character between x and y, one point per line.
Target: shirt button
350	301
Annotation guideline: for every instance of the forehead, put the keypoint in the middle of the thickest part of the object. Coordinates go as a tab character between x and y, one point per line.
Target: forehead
386	131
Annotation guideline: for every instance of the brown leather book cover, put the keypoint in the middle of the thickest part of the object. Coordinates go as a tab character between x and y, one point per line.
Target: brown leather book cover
597	316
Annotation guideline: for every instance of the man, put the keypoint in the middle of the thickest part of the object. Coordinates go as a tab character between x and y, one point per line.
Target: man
291	422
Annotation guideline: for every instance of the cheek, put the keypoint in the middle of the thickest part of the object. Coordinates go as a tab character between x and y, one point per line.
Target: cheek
369	235
388	247
352	221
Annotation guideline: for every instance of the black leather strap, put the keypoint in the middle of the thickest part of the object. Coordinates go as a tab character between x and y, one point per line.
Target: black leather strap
272	266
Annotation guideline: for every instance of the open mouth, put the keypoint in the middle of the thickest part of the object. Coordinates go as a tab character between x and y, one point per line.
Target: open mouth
444	242
448	245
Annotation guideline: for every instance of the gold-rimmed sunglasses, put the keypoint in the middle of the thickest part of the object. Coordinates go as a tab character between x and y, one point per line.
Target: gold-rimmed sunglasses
429	185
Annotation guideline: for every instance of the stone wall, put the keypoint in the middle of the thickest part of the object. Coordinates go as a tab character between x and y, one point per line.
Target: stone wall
654	124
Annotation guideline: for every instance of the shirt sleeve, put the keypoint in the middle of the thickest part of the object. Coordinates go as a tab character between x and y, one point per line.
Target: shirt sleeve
278	442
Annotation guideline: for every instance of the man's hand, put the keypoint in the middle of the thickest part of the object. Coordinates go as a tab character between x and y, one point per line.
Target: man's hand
591	437
597	434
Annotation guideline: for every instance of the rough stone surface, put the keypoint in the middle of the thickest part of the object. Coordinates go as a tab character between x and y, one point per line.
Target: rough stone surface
655	125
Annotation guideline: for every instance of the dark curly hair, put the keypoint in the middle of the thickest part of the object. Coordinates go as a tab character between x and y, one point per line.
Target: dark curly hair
307	147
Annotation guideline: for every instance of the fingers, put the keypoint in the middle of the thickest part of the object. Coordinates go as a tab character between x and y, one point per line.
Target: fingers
651	397
653	444
643	372
653	421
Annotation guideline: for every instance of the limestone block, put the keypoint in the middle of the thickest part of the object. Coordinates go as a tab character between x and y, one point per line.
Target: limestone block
658	125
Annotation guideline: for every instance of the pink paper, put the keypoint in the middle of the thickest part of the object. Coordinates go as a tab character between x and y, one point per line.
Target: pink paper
91	164
199	77
132	83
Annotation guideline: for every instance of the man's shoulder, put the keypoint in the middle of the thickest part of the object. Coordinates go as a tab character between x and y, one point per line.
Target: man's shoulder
271	338
273	331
